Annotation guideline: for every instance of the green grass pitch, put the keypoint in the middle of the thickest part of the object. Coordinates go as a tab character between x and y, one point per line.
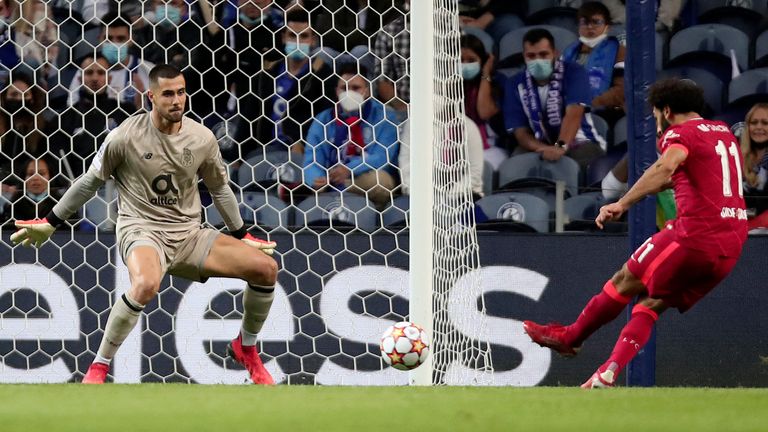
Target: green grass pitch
182	407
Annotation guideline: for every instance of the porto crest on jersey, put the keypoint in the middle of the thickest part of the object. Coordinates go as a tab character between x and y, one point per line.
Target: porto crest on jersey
187	158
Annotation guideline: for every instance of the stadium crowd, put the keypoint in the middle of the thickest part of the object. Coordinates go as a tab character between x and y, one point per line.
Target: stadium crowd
318	90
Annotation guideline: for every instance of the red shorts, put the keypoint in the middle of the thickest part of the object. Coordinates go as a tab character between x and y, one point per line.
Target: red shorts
676	274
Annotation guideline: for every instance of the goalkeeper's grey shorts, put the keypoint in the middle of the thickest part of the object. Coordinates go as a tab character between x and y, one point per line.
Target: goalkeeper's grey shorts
182	253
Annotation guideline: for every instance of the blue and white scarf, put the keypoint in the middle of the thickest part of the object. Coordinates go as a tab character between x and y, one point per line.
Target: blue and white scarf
545	124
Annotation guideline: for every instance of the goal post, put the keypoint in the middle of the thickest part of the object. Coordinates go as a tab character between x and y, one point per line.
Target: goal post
445	286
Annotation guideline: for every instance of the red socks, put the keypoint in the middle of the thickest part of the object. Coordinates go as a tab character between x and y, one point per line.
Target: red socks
601	309
633	337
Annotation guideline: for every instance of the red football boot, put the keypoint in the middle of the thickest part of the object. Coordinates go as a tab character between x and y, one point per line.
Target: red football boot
96	374
550	336
248	356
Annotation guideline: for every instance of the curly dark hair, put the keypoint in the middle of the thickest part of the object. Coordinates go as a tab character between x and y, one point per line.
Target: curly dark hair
680	95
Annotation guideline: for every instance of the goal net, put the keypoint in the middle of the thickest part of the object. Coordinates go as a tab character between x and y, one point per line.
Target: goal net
274	80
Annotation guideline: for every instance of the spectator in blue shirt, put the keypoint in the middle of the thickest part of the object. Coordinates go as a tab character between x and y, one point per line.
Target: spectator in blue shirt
546	106
353	146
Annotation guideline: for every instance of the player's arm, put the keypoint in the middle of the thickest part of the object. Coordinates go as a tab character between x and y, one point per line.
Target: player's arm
37	231
654	179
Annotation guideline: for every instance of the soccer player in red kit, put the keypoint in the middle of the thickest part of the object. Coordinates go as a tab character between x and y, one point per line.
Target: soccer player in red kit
679	265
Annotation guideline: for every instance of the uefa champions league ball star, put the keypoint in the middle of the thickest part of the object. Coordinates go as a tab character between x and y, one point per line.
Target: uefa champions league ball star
404	346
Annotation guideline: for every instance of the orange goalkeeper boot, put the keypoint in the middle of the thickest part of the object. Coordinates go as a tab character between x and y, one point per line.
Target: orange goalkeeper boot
96	374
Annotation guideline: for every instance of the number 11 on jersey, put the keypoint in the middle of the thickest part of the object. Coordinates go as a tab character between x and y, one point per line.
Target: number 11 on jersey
733	150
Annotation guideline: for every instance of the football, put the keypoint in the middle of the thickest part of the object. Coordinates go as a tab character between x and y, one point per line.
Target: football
404	346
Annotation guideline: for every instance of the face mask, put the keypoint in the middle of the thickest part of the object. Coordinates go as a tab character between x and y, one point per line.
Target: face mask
37	197
114	53
251	22
470	70
540	69
350	101
297	51
592	42
167	15
13	106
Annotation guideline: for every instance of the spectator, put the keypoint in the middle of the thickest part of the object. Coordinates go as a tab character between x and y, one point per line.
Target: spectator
36	38
496	17
546	105
603	58
38	195
21	123
474	157
482	91
353	145
393	49
9	56
667	13
754	148
349	25
83	126
295	85
129	75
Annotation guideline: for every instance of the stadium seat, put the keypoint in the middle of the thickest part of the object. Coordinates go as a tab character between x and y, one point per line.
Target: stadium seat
262	172
558	16
213	217
338	210
746	19
620	134
484	37
511	45
599	168
266	210
529	170
581	211
396	215
488	177
747	89
688	47
600	124
660	41
711	84
515	211
96	212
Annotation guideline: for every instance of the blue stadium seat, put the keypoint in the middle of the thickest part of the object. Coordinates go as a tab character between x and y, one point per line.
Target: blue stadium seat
484	37
529	173
709	46
748	88
746	19
266	210
263	172
599	168
511	45
396	215
337	210
600	124
519	211
620	133
712	85
662	53
761	50
488	178
582	210
558	16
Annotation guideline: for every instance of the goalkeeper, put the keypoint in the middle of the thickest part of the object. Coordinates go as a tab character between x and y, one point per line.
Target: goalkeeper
156	160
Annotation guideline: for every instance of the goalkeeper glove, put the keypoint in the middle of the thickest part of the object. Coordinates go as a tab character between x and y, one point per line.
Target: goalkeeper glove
32	232
266	246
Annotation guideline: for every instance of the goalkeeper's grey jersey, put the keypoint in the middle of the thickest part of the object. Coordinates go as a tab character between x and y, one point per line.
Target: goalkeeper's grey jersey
157	174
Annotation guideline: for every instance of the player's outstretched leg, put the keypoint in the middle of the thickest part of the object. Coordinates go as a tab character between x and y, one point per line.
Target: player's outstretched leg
122	319
566	340
633	337
257	301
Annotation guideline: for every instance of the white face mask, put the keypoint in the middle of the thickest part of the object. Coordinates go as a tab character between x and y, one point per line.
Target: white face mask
350	101
593	42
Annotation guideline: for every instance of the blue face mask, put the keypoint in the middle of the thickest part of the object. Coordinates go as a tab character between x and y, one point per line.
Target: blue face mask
167	15
114	53
297	51
250	22
470	70
37	197
540	69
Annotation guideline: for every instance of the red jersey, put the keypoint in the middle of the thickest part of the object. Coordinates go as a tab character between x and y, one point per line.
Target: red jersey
711	214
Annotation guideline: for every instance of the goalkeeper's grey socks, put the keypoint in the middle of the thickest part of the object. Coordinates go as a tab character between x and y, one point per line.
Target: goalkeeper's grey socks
122	319
256	303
